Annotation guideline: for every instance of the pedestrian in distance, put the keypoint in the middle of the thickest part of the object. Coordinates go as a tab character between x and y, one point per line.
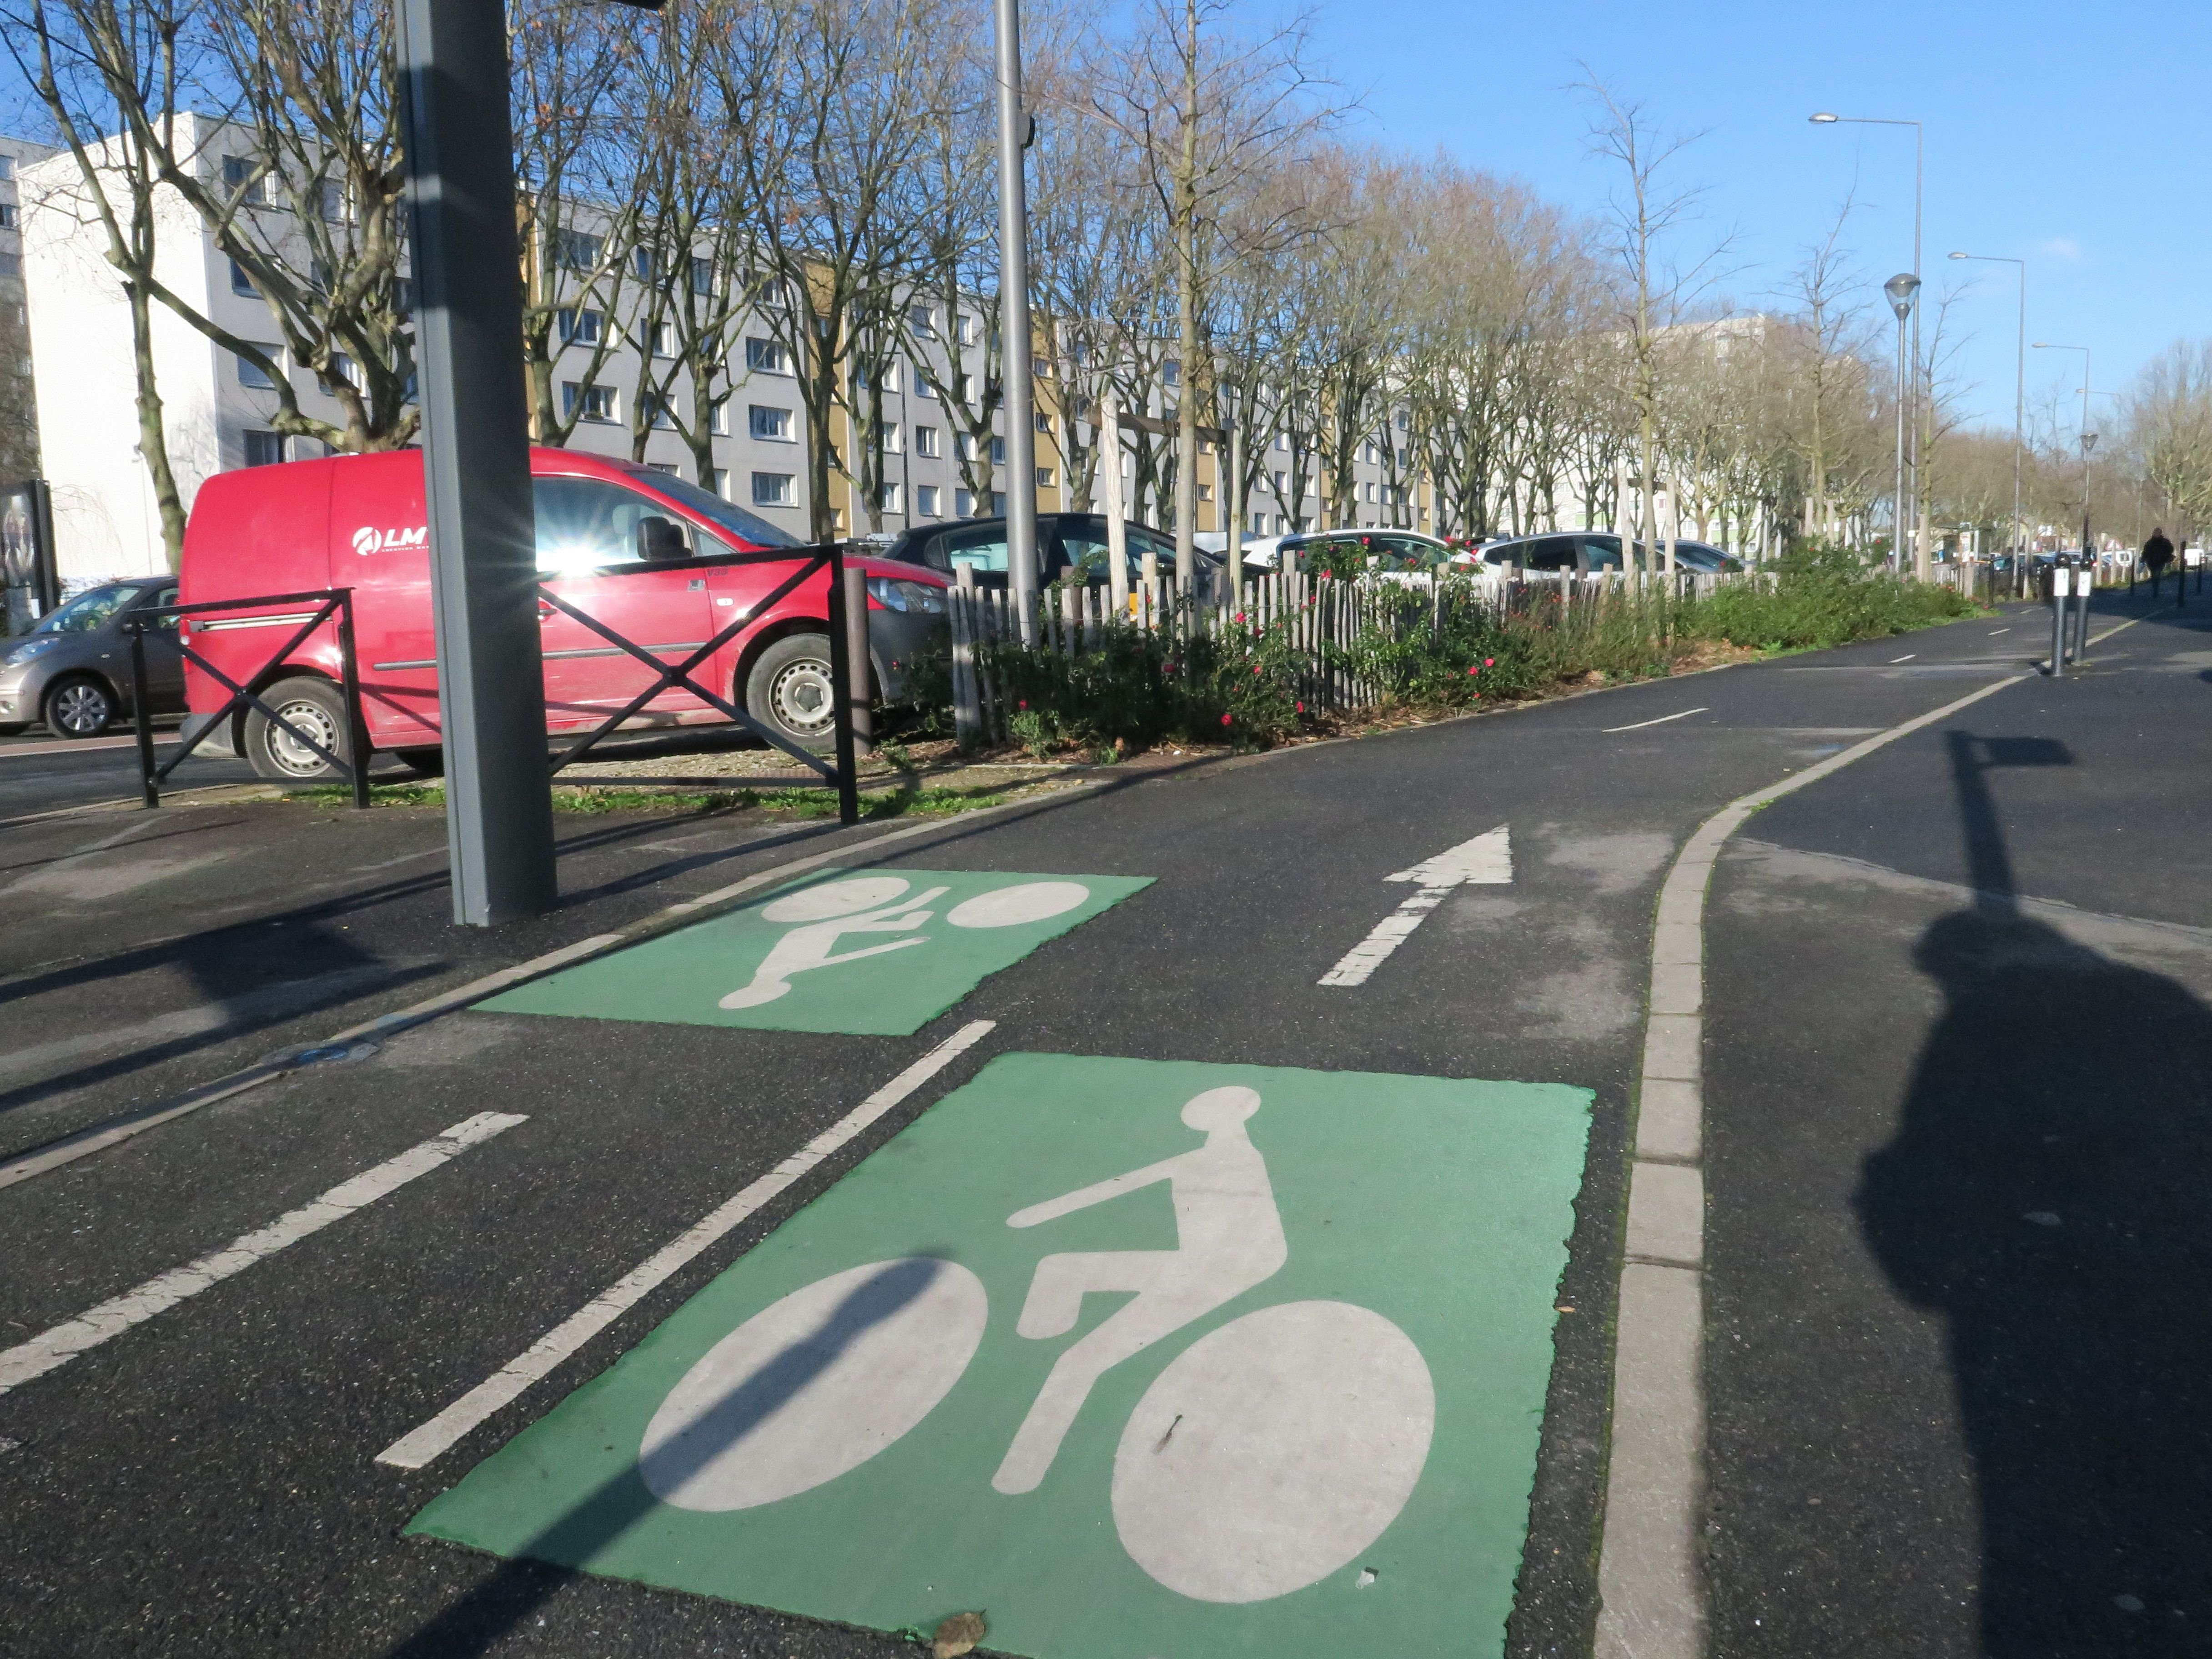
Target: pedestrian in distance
2157	553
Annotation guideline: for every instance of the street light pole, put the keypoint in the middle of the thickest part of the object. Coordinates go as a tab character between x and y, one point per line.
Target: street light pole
476	457
2019	391
1901	288
1014	362
1919	177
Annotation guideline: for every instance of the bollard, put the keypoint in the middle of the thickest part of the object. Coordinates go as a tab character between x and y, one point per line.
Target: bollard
2060	585
2087	587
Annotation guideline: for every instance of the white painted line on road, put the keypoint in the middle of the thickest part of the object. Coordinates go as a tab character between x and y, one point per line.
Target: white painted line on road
1993	632
438	1436
1650	1579
1661	720
65	1341
1486	860
1907	657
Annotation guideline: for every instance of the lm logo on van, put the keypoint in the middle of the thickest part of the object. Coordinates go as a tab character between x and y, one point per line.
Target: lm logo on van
368	539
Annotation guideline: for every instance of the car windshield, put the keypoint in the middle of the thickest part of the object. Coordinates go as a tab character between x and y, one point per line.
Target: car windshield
86	612
746	526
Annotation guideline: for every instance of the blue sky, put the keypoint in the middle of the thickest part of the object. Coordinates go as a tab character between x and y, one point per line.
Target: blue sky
2073	134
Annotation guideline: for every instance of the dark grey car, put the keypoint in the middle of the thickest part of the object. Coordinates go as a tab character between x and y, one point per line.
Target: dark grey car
1063	539
73	670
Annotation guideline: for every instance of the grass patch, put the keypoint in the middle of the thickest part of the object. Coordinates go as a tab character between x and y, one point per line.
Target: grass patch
593	800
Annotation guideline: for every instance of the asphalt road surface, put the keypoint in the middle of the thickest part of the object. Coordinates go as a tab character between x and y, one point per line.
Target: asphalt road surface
205	1480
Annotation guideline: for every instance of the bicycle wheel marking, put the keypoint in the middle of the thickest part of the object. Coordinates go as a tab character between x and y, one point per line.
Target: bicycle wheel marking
868	954
1306	1421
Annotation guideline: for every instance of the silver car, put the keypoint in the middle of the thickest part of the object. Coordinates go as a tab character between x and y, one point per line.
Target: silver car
73	670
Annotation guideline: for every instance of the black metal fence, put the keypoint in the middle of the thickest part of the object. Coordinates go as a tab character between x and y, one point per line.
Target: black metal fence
840	775
329	602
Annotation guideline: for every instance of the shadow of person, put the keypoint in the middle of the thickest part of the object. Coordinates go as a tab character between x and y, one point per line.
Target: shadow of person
2049	1190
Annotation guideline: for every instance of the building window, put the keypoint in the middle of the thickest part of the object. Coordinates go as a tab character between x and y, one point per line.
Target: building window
11	264
1405	421
7	166
963	445
587	402
1206	492
998	451
243	180
925	500
1283	442
1259	524
1370	489
999	504
892	437
1170	372
328	195
663	339
965	332
926	443
239	282
644	262
656	411
577	250
921	386
717	480
922	319
669	467
771	425
888	377
964	502
767	357
263	448
11	216
964	389
1282	483
702	275
344	369
251	374
1044	422
718	417
772	488
1367	451
1044	476
887	499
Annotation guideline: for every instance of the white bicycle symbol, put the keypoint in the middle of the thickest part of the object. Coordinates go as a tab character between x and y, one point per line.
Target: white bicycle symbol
1267	1455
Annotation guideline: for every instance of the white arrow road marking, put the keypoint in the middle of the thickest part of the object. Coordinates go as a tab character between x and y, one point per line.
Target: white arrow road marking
1484	861
65	1341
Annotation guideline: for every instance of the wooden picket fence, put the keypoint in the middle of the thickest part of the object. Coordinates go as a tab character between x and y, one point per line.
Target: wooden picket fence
1319	621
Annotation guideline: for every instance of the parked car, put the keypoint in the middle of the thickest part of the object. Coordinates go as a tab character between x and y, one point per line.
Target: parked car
1063	539
73	670
614	539
1585	551
1371	551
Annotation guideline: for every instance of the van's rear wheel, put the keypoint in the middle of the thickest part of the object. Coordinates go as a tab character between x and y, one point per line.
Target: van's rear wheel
311	706
792	691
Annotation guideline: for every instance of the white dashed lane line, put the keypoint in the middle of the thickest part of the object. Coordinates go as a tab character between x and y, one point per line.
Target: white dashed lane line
51	1349
436	1437
1661	720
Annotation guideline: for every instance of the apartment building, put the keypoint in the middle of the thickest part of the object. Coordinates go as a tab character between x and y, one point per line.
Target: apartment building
19	425
218	405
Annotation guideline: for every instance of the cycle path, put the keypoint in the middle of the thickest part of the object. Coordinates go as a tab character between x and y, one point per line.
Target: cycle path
275	1389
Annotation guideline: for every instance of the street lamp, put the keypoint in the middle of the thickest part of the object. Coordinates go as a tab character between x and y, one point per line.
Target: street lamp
2088	438
1900	288
2018	387
1014	362
1825	118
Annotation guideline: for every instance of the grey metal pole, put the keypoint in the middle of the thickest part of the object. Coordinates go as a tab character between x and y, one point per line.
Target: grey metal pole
1014	364
854	689
1902	511
476	456
1920	488
2061	580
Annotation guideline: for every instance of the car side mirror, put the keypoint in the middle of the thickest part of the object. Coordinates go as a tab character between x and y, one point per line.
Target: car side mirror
660	540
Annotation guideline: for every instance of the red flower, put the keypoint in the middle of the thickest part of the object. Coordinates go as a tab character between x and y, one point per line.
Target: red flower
1239	617
1471	673
1255	671
1025	702
1225	719
1487	661
1302	709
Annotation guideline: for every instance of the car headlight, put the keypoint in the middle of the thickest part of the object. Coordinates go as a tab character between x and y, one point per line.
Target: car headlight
895	595
26	651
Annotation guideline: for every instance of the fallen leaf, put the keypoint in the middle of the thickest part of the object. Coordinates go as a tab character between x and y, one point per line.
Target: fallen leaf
958	1635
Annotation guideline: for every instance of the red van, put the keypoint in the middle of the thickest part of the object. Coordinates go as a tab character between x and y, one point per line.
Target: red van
358	522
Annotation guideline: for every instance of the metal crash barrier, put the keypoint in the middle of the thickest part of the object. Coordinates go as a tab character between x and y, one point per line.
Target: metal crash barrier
666	676
330	601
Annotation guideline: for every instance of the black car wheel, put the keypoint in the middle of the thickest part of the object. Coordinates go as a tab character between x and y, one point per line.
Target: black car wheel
82	708
790	690
309	706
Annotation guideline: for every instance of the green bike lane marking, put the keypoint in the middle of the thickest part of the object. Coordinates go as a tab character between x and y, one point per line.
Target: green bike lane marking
864	952
1300	1417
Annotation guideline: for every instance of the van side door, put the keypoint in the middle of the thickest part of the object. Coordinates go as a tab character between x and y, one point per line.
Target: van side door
585	524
